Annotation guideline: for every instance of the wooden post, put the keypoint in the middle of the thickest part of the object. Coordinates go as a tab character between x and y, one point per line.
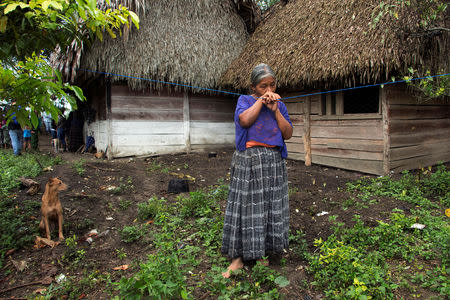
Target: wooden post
186	122
109	150
307	130
339	103
329	105
386	131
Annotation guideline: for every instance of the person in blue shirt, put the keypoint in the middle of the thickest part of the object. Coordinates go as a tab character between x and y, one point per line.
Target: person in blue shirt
16	135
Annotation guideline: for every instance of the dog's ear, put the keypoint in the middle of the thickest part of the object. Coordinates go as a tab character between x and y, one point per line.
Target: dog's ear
50	180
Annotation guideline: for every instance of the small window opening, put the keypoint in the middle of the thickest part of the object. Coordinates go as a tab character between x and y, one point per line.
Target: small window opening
361	101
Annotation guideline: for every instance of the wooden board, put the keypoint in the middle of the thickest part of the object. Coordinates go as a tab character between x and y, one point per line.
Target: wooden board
422	150
295	148
346	153
418	138
125	150
145	115
365	166
354	132
413	126
361	145
296	156
296	119
212	133
148	103
414	112
333	122
419	162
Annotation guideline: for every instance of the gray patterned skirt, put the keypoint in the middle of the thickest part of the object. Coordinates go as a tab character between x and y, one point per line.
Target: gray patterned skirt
257	214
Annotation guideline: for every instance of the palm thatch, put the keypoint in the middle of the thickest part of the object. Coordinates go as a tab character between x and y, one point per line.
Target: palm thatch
324	43
186	41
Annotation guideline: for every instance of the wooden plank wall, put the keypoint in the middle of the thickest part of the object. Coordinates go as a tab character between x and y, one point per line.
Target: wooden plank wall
353	142
149	122
419	132
211	122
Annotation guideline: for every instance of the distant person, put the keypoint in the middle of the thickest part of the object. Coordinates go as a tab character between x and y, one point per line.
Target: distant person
2	130
26	138
47	120
75	130
257	214
53	129
60	129
16	135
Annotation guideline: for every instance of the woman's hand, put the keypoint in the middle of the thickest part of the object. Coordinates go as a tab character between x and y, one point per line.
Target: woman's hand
270	100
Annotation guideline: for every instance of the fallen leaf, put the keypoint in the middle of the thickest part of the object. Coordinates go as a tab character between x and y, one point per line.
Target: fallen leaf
149	222
42	242
122	267
82	296
47	169
19	265
47	280
9	252
40	291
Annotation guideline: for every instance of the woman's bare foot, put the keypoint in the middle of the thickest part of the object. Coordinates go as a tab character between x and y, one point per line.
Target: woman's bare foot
235	265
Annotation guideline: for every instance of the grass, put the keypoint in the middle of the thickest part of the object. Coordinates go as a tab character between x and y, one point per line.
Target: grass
18	227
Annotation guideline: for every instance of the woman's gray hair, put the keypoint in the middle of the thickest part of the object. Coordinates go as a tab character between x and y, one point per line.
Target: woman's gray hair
260	72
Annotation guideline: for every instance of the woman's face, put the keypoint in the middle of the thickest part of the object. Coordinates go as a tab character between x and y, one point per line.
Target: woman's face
266	84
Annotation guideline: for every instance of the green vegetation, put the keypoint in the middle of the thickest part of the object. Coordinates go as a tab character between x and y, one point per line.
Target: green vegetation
79	166
18	227
361	262
133	233
30	31
187	234
25	165
124	186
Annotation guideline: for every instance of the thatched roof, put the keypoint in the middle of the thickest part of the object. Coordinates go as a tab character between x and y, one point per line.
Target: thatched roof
186	41
324	43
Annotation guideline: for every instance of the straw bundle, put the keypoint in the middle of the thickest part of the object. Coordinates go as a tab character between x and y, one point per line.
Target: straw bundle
324	43
186	41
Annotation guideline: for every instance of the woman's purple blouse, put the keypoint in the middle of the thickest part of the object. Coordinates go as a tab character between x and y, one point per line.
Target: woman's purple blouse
264	130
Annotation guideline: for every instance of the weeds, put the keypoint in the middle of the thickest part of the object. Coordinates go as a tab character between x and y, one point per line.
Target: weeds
352	262
18	228
124	186
151	209
79	167
133	233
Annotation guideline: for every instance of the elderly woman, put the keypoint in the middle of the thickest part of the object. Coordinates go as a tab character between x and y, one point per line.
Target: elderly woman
257	214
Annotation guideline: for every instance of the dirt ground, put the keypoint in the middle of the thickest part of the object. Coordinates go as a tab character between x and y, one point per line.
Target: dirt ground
89	204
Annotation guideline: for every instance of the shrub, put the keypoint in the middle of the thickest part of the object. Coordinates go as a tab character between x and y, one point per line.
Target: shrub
151	209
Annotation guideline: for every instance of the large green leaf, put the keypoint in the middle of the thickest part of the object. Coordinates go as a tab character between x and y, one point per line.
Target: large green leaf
10	8
134	19
78	92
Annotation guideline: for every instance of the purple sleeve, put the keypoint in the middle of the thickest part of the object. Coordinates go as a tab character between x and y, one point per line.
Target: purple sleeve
242	105
284	112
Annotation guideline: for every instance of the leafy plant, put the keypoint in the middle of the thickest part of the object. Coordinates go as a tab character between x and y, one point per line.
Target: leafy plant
124	186
160	277
151	209
133	233
124	204
79	167
72	254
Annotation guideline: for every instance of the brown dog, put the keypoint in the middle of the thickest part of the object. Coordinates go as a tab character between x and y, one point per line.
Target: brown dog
51	208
